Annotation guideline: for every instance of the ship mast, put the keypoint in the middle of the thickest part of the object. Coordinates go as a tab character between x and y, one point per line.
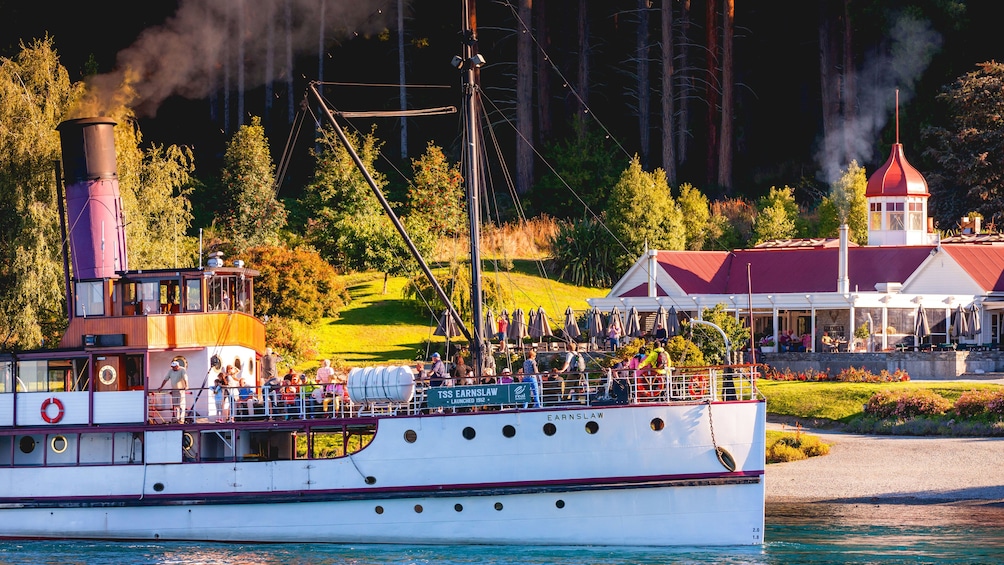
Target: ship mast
471	62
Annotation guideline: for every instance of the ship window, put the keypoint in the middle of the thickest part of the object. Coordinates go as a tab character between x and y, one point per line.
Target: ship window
90	298
6	376
550	429
193	295
508	431
149	298
469	433
592	427
53	375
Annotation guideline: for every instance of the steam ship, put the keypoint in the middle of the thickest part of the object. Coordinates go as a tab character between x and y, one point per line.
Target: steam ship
93	447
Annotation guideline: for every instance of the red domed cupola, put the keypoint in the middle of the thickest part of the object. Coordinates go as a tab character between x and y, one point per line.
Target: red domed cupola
896	177
897	201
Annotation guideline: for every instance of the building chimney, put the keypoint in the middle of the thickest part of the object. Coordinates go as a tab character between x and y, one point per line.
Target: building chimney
843	280
93	206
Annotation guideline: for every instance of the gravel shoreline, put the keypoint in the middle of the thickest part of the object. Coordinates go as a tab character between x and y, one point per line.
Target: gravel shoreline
891	469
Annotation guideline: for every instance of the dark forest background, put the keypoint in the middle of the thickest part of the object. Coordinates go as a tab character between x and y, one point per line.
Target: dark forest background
786	55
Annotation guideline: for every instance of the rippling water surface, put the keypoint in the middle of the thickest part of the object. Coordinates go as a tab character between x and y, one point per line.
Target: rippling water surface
797	533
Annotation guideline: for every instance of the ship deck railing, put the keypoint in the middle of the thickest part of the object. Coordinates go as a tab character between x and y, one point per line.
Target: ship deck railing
570	389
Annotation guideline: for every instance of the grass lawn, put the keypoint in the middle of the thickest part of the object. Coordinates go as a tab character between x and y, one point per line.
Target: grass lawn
382	328
843	401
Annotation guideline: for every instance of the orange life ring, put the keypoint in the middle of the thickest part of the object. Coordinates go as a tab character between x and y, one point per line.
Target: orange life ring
651	388
59	410
698	386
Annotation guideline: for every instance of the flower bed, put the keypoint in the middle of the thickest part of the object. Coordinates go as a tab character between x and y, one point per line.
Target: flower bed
849	375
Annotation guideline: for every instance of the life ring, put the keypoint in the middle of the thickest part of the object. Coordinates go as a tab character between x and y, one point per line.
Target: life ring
59	410
698	386
651	388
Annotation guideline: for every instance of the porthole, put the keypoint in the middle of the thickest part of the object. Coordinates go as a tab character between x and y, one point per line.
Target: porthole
370	480
378	509
158	487
559	503
27	444
498	506
458	507
418	509
592	427
410	436
58	444
550	429
469	433
657	424
509	431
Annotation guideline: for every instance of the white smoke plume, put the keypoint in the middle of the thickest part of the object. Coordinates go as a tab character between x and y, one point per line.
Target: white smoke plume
185	55
898	65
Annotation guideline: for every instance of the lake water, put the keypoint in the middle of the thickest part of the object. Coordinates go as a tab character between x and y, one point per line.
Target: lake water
810	534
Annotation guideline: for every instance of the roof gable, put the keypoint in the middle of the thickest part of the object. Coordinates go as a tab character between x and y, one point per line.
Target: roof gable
984	263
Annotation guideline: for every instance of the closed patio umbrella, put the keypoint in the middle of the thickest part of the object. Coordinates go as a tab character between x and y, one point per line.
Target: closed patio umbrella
540	326
960	323
595	326
633	327
517	326
447	326
672	322
615	318
975	323
571	327
661	319
491	327
923	328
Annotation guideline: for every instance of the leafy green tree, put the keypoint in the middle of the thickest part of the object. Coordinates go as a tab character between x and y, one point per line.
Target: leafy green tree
970	173
584	167
846	203
583	254
710	341
696	211
347	224
776	216
250	214
643	213
436	193
155	185
35	92
295	284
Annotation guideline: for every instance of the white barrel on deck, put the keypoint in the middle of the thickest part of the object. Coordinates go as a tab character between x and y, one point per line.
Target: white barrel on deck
368	385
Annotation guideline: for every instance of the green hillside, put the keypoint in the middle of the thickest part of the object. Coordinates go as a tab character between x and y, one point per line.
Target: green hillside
381	328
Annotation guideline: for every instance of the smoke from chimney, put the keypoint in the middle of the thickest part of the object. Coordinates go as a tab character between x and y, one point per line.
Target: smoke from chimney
913	43
184	55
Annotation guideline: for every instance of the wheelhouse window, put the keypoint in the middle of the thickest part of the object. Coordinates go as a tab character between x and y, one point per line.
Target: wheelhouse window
53	375
875	216
896	219
193	295
6	376
90	298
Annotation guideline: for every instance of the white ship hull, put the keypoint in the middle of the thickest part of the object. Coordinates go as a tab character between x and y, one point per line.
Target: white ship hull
624	484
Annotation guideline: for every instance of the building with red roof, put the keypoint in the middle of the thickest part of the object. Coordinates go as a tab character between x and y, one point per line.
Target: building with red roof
906	286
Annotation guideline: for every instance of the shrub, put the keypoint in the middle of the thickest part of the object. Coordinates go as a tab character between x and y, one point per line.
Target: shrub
975	402
583	254
849	375
783	453
907	404
795	447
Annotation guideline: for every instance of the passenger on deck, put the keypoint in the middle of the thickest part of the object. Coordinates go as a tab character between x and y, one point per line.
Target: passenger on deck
246	400
438	374
288	394
179	388
219	392
270	396
506	376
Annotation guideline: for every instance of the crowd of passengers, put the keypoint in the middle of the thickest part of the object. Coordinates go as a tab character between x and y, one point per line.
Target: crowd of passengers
325	394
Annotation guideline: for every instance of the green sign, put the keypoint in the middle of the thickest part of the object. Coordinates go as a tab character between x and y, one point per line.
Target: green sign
479	395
